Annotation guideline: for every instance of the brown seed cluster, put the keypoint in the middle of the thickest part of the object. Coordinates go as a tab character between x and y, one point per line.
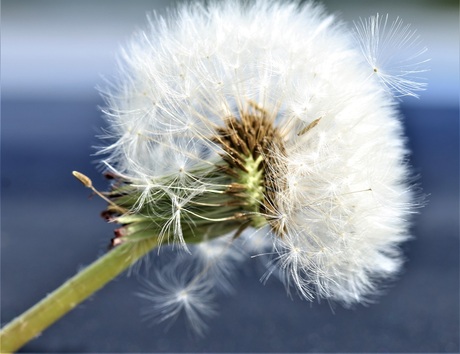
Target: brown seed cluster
253	135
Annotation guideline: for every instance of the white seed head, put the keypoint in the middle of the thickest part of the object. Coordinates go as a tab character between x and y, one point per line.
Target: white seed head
253	115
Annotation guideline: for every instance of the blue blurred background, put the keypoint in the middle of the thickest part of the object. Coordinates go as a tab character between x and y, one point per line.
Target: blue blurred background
54	53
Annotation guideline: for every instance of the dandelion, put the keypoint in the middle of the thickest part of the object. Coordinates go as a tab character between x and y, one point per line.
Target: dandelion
262	116
255	121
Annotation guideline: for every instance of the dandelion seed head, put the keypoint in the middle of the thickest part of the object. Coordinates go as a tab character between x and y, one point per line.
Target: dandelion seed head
233	117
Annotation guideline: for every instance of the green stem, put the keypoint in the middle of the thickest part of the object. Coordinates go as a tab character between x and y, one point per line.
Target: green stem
75	290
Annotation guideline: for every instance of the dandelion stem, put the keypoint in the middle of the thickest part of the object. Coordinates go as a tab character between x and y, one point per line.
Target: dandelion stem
75	290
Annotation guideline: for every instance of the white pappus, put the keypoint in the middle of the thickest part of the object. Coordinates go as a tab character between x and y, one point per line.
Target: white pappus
234	117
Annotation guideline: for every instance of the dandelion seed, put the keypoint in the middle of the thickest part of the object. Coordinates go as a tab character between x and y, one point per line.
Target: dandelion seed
260	117
175	291
394	54
219	258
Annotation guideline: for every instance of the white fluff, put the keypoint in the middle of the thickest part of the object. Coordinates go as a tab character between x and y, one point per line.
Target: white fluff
346	201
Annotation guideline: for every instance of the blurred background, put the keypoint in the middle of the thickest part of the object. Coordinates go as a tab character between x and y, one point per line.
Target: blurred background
54	54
